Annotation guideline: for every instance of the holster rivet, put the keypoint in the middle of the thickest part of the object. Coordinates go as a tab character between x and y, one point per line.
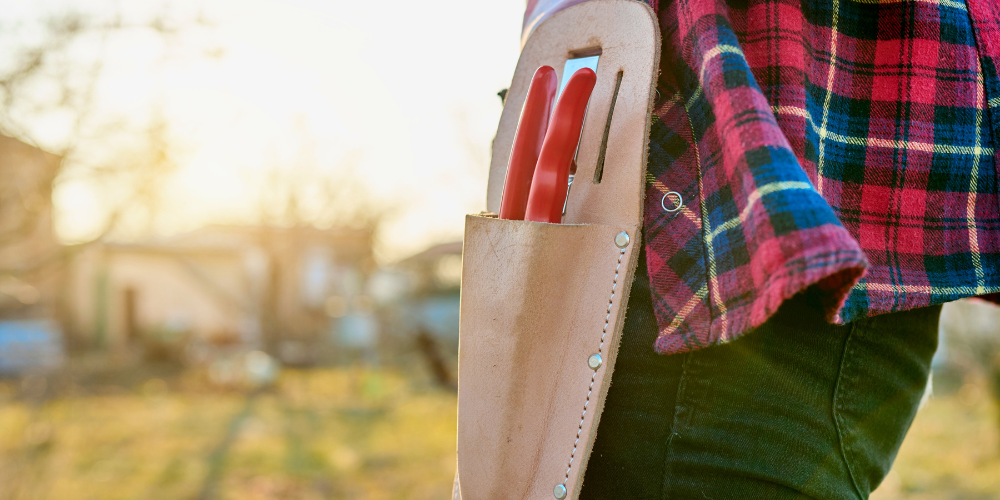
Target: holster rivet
594	361
559	491
621	239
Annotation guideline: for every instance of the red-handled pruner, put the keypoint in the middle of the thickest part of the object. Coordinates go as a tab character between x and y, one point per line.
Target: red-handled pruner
528	143
548	185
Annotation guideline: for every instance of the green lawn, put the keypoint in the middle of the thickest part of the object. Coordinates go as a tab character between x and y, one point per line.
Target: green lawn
318	434
342	433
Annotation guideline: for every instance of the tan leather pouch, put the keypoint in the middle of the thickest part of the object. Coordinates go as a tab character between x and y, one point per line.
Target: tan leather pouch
540	300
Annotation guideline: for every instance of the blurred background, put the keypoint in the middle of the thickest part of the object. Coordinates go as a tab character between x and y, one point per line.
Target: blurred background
230	253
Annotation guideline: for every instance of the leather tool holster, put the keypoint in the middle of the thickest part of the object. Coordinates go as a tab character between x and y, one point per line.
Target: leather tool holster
543	305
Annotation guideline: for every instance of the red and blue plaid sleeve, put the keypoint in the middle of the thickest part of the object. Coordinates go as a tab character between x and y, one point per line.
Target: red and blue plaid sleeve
844	148
753	231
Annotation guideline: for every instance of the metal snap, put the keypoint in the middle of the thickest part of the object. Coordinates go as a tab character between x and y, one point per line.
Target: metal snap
678	204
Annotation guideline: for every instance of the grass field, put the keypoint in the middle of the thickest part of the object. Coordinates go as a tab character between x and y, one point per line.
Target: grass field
340	433
328	433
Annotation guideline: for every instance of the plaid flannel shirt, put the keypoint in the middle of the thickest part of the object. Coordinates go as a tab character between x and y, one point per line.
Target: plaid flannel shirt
845	147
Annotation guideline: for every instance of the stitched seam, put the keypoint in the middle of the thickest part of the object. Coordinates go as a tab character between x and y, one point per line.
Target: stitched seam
712	284
988	88
836	416
593	377
712	292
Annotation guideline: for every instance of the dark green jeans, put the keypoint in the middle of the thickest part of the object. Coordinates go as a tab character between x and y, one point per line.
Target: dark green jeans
797	408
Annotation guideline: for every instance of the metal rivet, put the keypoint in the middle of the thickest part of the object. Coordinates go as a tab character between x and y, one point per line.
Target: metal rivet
677	206
559	491
594	361
621	239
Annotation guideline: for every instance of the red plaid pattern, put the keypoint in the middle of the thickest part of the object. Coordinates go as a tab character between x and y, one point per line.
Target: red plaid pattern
815	141
844	147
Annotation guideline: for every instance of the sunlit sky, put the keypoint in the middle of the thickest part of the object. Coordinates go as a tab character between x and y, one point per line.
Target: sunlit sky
402	92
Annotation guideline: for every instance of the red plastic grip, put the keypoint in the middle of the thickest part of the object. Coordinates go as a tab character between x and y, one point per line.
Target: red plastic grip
548	185
528	143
